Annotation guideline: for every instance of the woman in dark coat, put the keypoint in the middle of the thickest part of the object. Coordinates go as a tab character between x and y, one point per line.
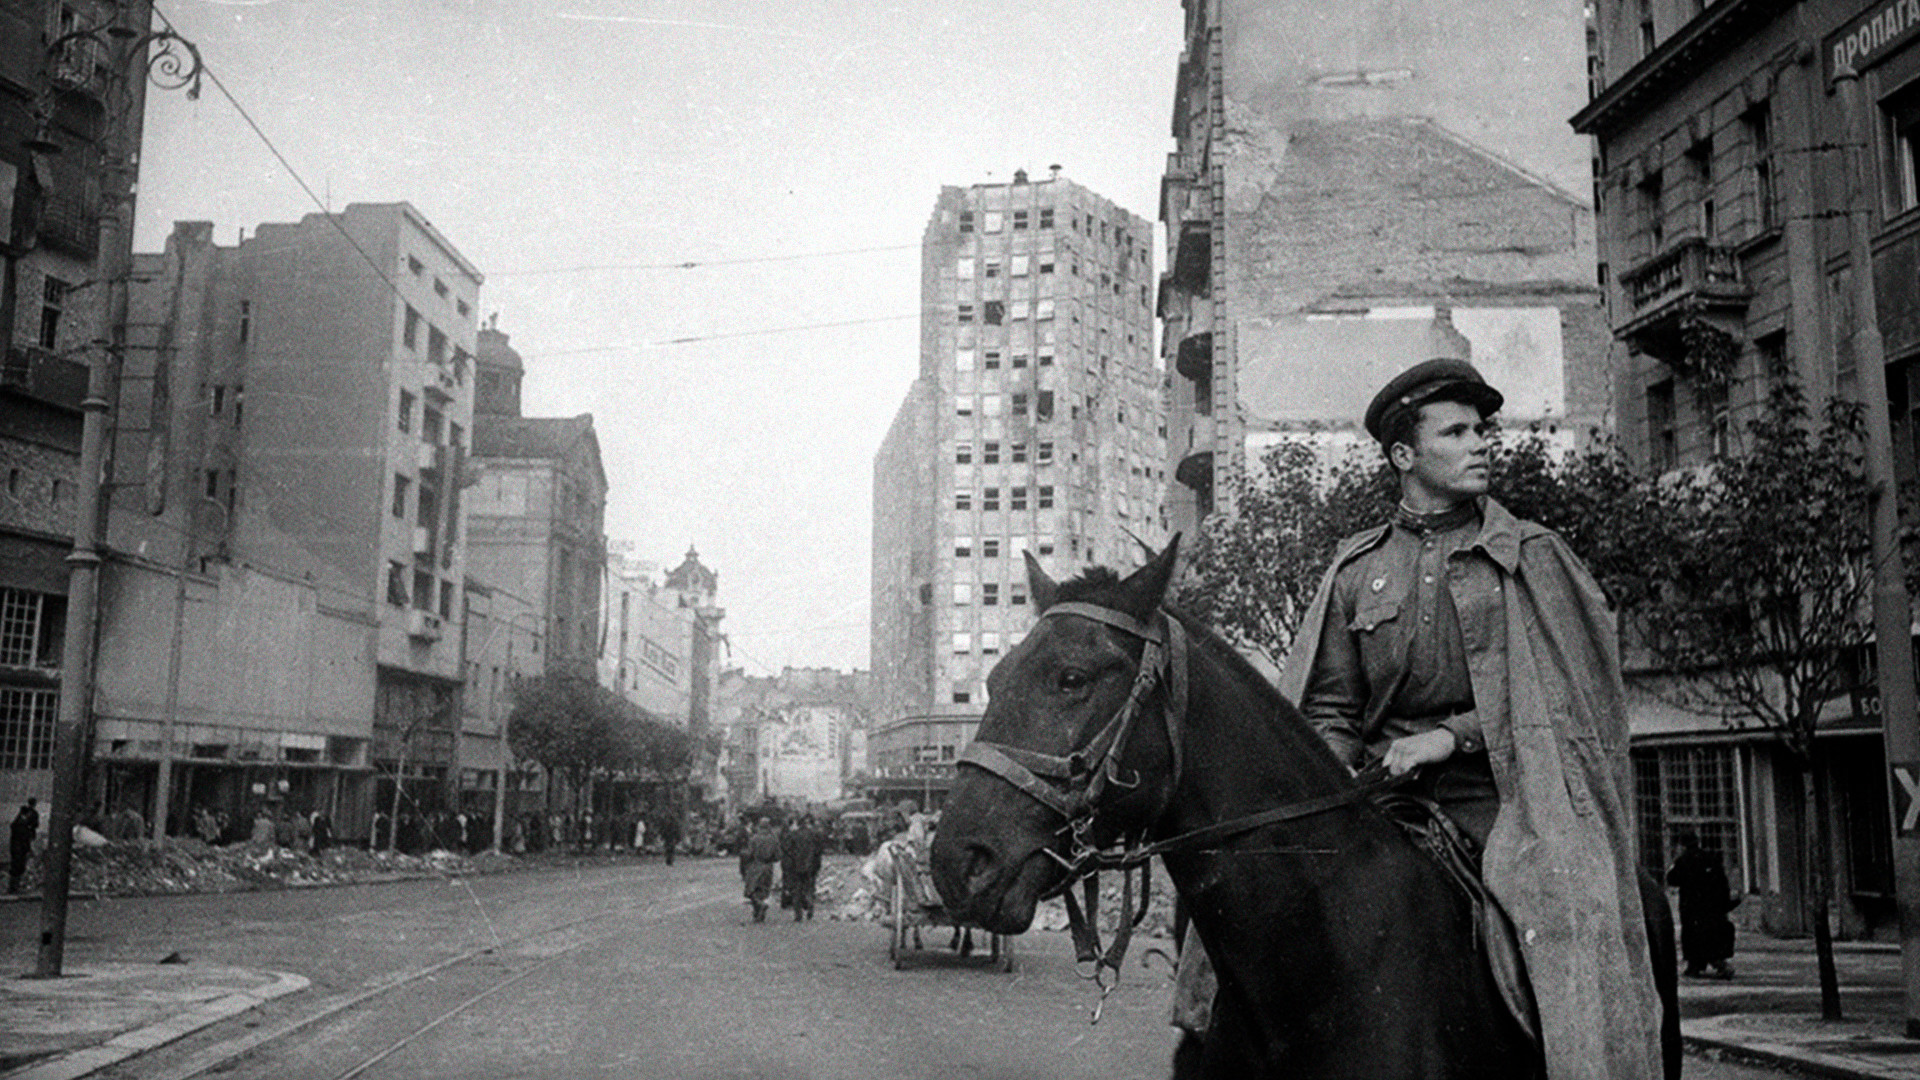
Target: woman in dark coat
757	860
1706	934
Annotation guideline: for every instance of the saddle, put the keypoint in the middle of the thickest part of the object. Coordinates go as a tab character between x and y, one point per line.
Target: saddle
1429	827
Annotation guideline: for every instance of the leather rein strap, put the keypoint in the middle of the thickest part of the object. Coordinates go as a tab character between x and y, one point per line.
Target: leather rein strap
1072	786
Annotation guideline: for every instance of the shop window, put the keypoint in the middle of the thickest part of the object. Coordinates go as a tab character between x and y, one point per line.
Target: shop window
1903	121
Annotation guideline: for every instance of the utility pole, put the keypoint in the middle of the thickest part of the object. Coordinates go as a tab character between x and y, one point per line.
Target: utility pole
123	38
1892	610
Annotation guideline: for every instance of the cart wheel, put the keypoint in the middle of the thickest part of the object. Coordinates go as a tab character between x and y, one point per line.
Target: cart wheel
897	944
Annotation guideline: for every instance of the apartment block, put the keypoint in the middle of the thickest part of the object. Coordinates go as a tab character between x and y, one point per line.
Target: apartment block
281	622
1035	426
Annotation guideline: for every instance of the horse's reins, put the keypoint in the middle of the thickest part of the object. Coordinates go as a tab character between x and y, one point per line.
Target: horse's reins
1090	770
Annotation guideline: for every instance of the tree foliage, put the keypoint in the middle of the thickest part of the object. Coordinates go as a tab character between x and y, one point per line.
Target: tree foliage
576	728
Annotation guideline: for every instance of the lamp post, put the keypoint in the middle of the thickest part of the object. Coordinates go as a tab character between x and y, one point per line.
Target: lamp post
124	40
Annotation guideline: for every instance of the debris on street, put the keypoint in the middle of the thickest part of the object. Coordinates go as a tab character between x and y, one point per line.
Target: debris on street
187	865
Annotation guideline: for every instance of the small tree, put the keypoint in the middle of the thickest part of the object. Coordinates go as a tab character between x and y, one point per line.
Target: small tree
1756	580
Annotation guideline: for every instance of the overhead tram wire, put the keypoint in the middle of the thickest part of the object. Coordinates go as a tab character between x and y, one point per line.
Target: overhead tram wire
703	264
635	345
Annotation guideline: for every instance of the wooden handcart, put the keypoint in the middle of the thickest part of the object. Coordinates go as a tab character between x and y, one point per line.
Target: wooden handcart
915	905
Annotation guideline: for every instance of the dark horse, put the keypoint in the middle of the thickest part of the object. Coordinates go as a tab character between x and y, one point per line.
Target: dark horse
1342	949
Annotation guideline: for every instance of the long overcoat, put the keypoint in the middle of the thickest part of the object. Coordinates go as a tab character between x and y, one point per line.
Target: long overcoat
1560	858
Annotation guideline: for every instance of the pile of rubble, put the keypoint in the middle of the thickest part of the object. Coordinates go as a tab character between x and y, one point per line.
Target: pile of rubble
186	865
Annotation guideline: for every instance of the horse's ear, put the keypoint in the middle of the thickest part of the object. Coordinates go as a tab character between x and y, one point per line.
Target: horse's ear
1039	584
1147	586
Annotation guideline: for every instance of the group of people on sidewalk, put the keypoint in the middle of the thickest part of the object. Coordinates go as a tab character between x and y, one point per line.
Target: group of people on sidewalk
797	850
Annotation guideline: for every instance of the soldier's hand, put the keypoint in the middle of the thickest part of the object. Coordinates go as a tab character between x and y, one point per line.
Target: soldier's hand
1410	750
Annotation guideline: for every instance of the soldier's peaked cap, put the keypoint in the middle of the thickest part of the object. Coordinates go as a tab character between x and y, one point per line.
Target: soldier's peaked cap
1444	379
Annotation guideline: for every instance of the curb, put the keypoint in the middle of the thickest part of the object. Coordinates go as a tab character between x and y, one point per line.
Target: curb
83	1062
1759	1050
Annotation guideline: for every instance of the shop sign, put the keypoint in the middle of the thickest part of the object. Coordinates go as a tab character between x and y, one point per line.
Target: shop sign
1871	36
1906	797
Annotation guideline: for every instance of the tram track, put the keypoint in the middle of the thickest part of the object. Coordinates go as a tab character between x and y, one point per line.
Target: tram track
468	978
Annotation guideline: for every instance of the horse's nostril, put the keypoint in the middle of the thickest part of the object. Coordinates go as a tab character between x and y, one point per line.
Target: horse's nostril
980	865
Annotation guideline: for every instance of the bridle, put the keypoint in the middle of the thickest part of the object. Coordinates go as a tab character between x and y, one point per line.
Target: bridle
1075	787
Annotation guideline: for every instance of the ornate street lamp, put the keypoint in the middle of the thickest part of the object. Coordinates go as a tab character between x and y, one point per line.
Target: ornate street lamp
115	55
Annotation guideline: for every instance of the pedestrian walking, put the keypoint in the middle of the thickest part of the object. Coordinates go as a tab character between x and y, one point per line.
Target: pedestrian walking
26	824
758	857
1706	934
321	830
800	850
669	831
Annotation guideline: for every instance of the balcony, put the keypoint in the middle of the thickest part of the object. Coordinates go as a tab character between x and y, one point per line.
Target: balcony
44	376
1195	359
1193	258
1691	281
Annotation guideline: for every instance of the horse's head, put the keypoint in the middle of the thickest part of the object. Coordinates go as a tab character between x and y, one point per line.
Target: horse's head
1071	736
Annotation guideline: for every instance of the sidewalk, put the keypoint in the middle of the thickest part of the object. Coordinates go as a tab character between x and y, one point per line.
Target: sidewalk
1769	1012
101	1014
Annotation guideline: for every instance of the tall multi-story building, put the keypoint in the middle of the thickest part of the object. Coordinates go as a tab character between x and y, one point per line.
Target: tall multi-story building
1035	426
646	652
1724	202
292	444
65	118
1345	176
535	513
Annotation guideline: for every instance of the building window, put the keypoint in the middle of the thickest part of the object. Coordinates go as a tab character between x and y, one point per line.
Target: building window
1017	453
1019	219
446	599
1020	264
963	359
1663	437
963	405
26	727
990	594
432	425
1650	192
964	313
1043	309
962	547
410	329
990	220
962	594
1043	454
1019	361
436	347
966	221
1690	789
990	547
422	590
963	269
1700	157
246	320
1017	499
963	453
990	453
53	302
1045	497
989	646
1046	264
990	268
990	498
1043	545
960	695
1045	355
1046	217
405	411
1716	405
1019	404
990	404
1019	310
400	486
962	643
415	266
994	312
1903	121
1759	124
397	584
1648	38
1017	595
963	499
1043	404
990	360
31	626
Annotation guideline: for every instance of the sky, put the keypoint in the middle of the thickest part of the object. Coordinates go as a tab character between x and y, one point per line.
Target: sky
581	152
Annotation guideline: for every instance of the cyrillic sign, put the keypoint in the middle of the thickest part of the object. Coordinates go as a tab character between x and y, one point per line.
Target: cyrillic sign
1873	34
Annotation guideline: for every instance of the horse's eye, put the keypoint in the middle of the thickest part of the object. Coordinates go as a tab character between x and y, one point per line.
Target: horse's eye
1072	679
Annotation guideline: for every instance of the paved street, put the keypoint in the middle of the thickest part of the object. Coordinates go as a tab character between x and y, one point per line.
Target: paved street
646	971
612	970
